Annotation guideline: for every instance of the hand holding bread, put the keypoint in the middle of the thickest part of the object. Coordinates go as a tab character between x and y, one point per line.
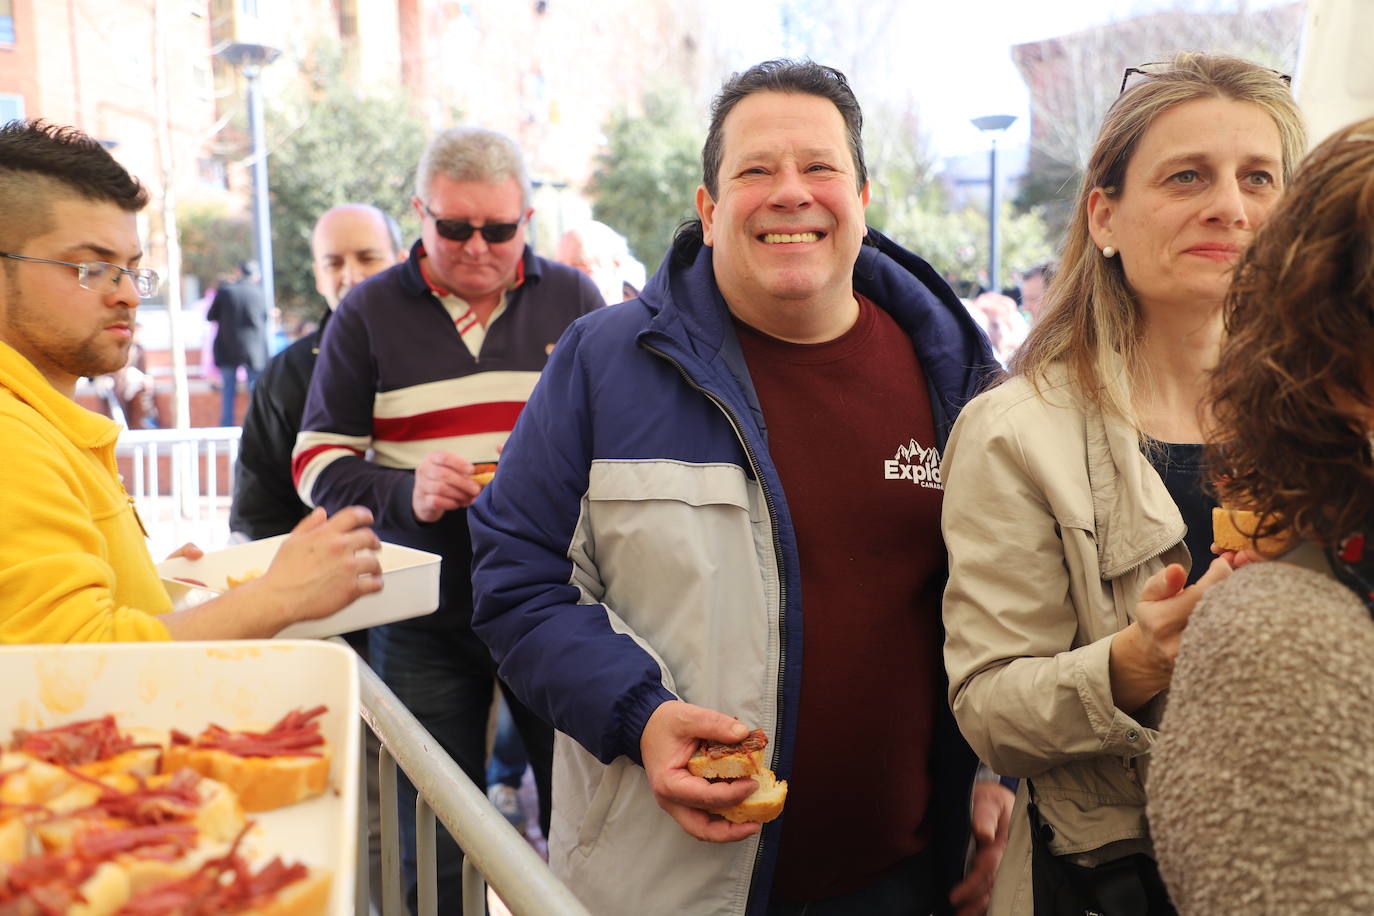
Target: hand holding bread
671	738
443	482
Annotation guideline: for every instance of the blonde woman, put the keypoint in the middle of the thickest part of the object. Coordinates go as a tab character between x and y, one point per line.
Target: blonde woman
1074	513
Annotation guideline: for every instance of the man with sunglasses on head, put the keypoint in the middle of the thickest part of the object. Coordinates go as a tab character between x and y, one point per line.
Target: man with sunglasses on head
422	372
73	565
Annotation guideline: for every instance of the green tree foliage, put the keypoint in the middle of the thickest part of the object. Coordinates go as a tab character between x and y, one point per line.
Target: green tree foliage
647	176
214	240
330	145
910	205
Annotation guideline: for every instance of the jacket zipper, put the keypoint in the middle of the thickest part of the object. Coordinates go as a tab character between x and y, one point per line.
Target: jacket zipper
738	427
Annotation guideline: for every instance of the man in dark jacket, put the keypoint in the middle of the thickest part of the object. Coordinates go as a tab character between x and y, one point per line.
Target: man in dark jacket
721	510
422	372
240	311
349	243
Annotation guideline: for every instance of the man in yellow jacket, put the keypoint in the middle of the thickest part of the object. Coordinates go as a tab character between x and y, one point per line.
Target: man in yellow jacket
73	563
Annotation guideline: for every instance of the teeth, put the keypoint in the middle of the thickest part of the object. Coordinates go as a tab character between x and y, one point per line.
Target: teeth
778	238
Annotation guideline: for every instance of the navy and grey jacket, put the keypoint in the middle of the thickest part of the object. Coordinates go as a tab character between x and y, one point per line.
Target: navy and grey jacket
636	547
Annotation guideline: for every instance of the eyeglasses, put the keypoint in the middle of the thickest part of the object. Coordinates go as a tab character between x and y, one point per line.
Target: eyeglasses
460	230
102	276
1141	71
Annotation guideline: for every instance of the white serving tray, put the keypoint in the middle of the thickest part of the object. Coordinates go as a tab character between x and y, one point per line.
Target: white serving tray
187	686
410	585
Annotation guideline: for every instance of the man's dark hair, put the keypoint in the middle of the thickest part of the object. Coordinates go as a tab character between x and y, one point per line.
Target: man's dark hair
800	77
41	162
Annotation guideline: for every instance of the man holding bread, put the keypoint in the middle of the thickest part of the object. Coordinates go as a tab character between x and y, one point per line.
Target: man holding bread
422	371
719	513
73	563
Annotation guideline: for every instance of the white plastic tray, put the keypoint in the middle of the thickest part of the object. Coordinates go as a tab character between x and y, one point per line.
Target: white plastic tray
188	686
410	585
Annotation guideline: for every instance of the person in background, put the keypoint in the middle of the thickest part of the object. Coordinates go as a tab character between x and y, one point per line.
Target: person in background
1033	284
422	371
1074	509
73	563
650	564
349	243
997	316
240	315
602	254
1262	788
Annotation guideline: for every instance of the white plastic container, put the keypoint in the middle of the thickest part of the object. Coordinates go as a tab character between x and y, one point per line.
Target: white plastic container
410	585
188	686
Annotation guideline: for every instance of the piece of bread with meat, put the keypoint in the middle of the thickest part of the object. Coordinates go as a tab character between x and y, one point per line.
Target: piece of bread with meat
483	472
123	801
1234	529
94	747
227	884
720	762
268	769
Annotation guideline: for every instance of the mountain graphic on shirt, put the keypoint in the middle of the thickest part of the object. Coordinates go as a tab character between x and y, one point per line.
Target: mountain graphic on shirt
916	463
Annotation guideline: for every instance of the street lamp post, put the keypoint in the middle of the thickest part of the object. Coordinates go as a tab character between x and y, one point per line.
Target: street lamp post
249	59
992	125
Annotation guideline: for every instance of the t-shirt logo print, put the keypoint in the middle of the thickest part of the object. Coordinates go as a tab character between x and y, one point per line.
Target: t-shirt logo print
916	463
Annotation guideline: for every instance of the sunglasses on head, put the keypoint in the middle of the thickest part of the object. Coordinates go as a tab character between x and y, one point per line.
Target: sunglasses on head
1145	71
460	230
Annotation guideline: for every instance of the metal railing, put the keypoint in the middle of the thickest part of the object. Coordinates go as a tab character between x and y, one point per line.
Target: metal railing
176	480
494	851
193	508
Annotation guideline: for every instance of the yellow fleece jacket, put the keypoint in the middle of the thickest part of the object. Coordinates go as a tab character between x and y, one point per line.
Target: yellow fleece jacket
73	563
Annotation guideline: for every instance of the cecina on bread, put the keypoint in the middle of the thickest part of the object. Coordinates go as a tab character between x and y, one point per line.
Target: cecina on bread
1234	529
763	804
261	783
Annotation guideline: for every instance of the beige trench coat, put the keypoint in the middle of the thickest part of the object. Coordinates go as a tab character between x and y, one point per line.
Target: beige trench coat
1054	519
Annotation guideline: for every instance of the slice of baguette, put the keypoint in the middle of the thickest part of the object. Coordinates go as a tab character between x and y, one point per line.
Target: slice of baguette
103	893
14	840
261	783
1234	529
763	805
731	766
307	897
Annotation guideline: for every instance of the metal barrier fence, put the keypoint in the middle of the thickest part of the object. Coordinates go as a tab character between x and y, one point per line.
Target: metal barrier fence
495	852
180	480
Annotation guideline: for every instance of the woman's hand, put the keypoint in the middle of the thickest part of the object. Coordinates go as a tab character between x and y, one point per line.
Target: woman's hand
1143	654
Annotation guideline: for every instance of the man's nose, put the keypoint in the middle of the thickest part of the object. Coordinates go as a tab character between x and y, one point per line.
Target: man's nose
789	189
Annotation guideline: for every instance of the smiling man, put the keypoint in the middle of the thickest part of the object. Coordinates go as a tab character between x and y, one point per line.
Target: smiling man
720	510
422	371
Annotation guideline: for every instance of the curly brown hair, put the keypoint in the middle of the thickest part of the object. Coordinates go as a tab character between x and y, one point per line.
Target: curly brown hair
1292	444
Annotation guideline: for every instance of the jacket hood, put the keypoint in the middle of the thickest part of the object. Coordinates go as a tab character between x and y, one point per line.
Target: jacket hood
954	352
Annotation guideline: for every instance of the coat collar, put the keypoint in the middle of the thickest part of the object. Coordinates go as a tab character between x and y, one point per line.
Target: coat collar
83	427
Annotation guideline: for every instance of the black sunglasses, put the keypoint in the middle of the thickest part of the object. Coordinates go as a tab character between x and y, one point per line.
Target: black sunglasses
460	230
1141	71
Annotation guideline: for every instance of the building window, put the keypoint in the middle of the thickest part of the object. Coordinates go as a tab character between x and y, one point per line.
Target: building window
6	22
11	107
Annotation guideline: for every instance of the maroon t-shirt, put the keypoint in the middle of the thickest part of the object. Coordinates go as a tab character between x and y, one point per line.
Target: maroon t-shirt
851	433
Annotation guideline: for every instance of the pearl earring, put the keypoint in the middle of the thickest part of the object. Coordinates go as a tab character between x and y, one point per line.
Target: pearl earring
1108	252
